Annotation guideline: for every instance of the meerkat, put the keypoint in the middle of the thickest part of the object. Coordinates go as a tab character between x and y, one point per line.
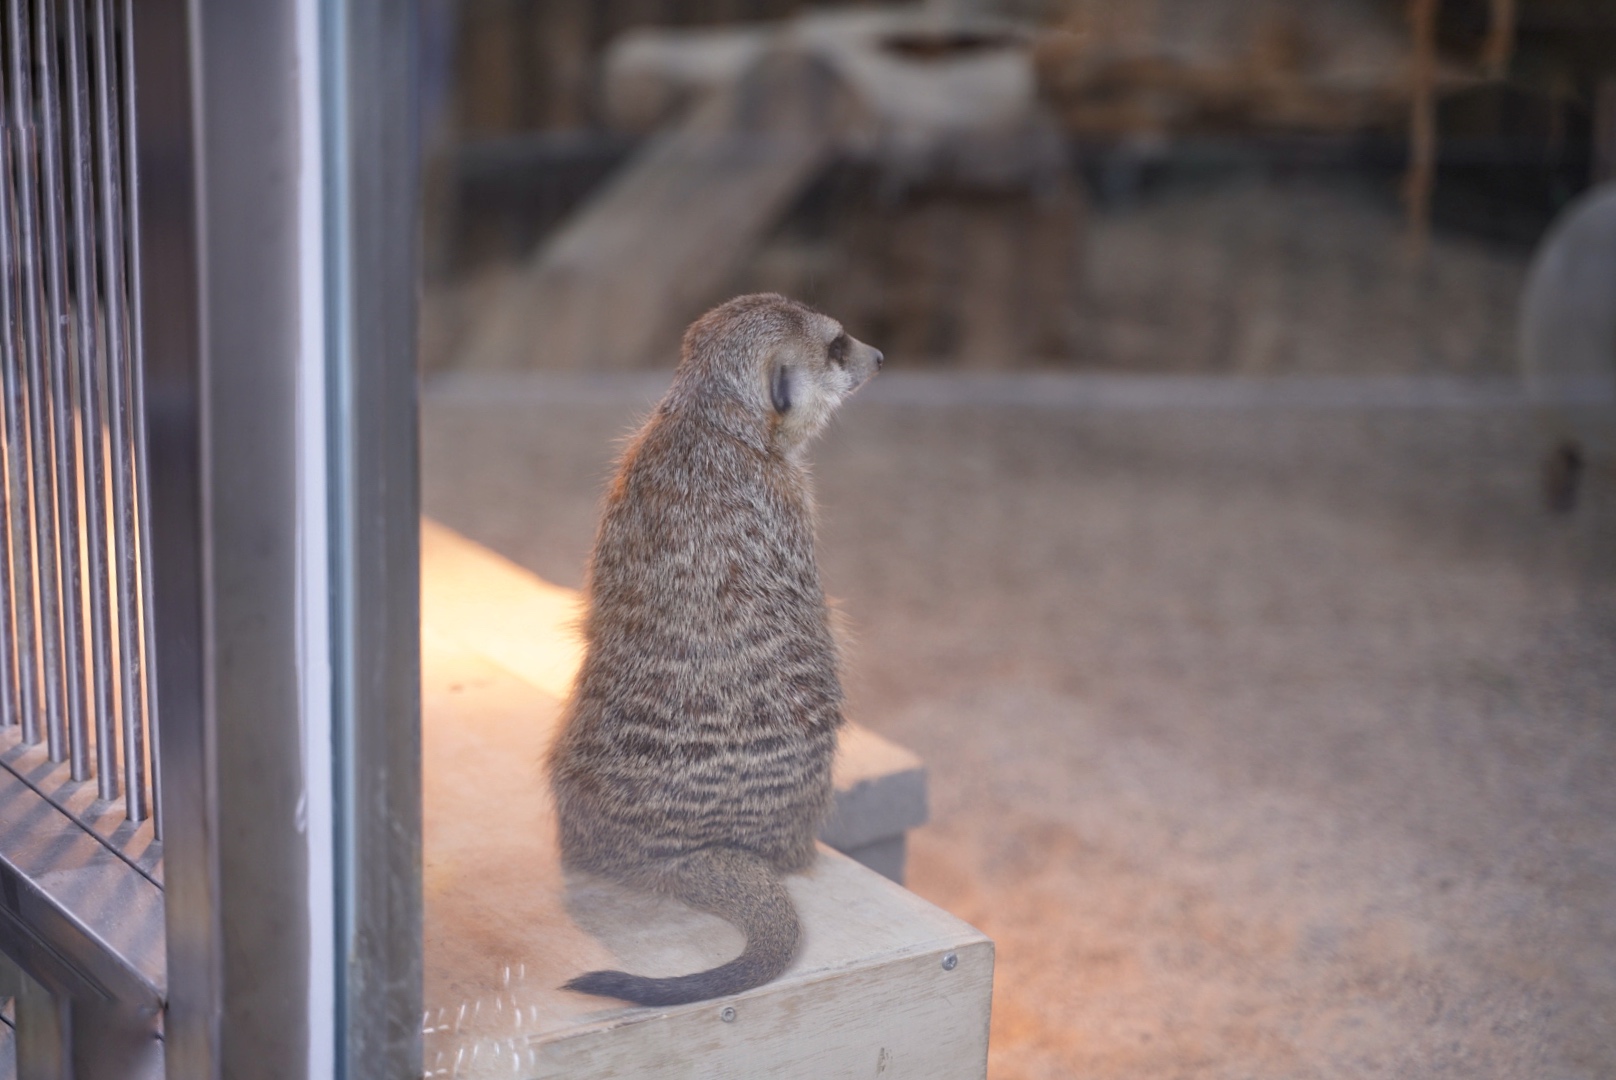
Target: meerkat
694	756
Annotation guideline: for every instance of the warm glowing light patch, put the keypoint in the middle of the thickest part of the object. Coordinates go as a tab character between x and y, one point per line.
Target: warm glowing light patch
493	607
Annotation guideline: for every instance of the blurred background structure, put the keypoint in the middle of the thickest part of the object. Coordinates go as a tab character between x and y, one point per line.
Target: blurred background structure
1233	530
1159	185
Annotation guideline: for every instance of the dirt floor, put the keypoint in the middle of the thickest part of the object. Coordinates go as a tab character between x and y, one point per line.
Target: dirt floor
1265	741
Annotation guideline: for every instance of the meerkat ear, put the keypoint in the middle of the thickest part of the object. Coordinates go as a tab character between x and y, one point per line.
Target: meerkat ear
780	388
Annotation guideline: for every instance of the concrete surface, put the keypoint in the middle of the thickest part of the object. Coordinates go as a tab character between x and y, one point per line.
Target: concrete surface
1265	741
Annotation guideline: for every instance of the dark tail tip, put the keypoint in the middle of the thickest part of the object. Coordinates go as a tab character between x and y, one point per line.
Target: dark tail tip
679	990
613	984
766	956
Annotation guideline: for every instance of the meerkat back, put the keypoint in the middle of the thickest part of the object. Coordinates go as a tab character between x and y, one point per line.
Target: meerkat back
694	759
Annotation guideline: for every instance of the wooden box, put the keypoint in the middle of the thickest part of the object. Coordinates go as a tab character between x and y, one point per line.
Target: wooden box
886	985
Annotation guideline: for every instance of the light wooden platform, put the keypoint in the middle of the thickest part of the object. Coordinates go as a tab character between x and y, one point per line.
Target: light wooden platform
886	985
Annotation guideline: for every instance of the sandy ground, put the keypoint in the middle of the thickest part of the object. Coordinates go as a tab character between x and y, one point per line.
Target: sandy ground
1265	742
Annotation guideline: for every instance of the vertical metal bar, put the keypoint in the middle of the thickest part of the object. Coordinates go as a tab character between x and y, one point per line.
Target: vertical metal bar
46	580
10	647
137	384
66	444
372	161
223	277
19	528
82	204
170	69
137	797
13	499
9	709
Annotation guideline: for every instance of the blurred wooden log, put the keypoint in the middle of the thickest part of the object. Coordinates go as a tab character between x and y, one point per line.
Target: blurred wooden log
613	288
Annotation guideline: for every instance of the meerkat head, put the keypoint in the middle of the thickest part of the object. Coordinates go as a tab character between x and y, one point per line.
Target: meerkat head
790	364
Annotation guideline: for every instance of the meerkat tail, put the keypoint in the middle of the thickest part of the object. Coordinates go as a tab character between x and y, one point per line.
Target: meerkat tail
738	887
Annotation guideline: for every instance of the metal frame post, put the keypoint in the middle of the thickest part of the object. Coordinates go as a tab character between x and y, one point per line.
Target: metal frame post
278	258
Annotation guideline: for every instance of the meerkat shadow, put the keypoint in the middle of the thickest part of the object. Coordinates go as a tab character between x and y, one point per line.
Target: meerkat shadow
646	933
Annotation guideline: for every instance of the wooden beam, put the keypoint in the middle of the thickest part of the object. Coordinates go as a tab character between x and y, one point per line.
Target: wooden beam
1499	47
1604	164
616	284
1421	177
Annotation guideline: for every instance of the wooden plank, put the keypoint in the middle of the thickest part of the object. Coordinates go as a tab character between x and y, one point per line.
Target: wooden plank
873	990
880	791
894	1019
614	287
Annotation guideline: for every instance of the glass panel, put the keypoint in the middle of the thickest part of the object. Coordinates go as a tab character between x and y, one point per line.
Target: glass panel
1231	531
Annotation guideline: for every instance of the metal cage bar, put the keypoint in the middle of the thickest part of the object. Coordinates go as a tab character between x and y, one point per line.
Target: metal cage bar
75	624
137	394
88	398
278	218
68	460
20	535
43	489
224	264
123	428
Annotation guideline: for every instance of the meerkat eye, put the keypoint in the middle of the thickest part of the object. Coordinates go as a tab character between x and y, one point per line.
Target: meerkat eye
836	352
